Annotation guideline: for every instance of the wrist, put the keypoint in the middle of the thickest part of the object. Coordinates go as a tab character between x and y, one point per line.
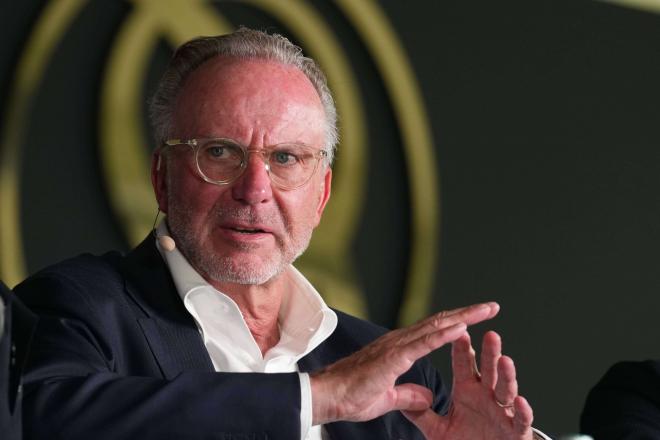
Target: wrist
324	407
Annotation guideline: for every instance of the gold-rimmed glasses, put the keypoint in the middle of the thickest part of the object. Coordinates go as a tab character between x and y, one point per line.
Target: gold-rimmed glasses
221	161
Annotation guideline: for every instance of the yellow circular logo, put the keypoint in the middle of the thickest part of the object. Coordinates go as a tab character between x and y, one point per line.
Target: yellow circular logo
124	145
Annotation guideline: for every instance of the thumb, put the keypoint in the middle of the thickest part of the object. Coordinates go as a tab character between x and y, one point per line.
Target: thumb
410	396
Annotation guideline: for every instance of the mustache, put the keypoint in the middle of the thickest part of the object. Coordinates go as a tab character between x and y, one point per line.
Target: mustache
247	215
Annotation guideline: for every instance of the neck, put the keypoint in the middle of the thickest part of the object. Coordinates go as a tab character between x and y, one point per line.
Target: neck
260	306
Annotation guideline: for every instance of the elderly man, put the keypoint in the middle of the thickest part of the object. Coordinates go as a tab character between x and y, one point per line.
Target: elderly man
206	330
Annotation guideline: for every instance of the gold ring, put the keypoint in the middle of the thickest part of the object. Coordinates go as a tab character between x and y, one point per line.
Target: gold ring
503	405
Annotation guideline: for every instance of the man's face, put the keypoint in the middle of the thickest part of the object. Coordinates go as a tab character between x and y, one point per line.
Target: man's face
248	231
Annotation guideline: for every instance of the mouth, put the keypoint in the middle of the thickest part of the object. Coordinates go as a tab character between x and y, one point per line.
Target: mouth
248	230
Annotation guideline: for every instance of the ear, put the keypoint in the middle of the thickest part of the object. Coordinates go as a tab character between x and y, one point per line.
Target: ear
326	185
159	179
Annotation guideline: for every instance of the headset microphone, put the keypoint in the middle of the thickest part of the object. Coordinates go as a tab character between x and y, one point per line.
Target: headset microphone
165	241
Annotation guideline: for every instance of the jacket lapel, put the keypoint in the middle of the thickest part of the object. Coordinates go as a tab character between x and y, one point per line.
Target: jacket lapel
168	327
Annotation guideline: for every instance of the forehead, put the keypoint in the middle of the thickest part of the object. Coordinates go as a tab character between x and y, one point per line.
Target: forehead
249	98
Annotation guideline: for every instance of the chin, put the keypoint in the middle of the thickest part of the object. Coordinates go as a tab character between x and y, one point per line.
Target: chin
249	269
247	275
247	264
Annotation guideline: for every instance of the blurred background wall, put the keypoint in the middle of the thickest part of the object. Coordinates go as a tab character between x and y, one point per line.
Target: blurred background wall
490	150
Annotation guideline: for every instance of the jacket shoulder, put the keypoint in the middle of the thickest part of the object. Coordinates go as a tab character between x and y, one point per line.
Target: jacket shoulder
81	274
357	329
625	401
81	266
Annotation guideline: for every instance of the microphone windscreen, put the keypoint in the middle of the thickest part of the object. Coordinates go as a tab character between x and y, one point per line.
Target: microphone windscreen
166	242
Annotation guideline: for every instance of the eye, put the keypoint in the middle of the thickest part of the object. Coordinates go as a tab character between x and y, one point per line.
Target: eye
216	151
284	158
220	151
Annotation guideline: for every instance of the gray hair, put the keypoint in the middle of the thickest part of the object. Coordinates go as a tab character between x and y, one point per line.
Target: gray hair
243	43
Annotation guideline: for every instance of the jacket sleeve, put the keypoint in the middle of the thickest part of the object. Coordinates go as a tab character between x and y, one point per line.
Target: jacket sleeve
625	404
90	375
16	325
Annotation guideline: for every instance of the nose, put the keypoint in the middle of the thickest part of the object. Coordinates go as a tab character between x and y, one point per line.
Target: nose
253	186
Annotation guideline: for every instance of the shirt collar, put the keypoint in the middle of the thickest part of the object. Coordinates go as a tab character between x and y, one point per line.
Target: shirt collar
185	277
305	320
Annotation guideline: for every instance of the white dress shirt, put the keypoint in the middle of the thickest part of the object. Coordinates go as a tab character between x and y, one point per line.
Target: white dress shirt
305	321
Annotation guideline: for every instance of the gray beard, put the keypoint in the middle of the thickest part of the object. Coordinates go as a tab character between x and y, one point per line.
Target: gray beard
222	268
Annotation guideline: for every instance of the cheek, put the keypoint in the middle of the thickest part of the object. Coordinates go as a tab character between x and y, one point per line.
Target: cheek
301	210
195	196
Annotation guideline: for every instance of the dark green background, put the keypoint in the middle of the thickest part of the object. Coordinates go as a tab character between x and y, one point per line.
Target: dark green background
546	119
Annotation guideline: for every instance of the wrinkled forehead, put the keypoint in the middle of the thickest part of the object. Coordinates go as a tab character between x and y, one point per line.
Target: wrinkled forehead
226	86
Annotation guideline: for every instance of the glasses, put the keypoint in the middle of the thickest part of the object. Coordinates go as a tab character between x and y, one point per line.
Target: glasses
221	161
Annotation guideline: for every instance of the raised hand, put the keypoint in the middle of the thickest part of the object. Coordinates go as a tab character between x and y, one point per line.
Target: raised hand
362	386
484	406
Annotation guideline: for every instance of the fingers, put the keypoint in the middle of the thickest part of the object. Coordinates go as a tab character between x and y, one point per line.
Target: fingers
429	342
491	351
474	313
486	403
362	385
439	329
506	388
463	359
524	416
468	315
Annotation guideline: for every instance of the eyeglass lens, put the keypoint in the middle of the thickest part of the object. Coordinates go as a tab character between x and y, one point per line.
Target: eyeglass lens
289	165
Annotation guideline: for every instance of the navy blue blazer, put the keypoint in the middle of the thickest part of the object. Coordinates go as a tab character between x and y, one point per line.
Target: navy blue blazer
625	404
14	342
116	355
